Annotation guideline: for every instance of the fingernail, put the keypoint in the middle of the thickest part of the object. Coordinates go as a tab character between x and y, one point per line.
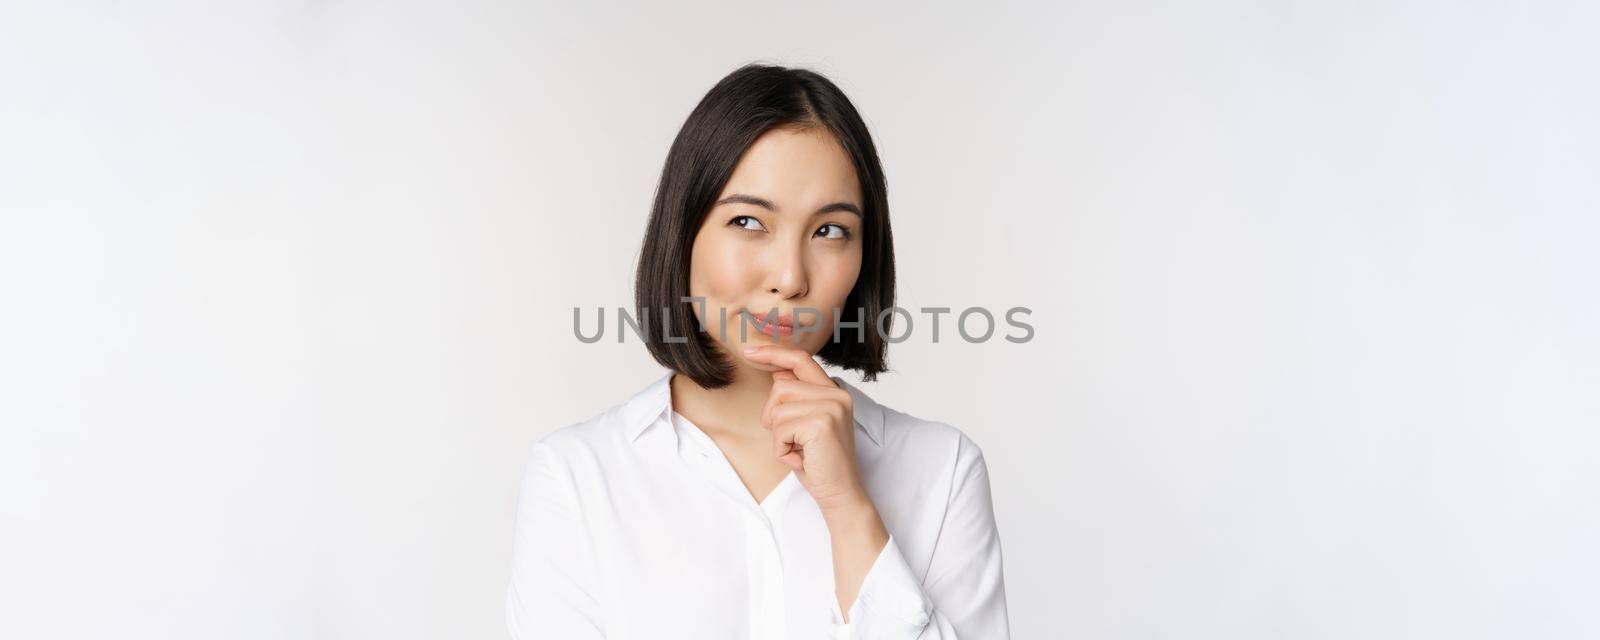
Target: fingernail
750	350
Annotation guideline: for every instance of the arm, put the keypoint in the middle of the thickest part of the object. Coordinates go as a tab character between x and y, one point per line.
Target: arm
552	594
964	593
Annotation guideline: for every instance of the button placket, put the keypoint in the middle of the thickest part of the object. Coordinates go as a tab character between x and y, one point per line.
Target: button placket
763	558
769	619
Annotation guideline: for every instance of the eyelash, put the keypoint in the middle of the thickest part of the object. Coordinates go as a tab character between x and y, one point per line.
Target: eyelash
843	230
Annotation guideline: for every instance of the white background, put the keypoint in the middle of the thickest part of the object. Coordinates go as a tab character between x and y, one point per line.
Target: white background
288	292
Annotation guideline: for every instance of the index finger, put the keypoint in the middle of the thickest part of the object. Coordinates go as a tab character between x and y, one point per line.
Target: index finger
801	363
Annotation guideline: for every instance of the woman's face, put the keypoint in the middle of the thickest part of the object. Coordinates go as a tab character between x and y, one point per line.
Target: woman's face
784	234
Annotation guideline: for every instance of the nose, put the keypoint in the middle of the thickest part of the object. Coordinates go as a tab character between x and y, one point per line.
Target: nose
787	275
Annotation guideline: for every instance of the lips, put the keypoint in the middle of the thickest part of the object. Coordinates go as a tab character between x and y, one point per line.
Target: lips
781	325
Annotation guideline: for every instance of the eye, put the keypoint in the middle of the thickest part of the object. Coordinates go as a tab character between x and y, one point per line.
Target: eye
837	232
747	223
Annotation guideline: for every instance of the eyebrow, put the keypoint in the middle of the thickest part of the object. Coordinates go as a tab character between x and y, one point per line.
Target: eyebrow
767	204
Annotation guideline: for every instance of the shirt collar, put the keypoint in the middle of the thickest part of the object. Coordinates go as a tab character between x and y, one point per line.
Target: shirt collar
650	403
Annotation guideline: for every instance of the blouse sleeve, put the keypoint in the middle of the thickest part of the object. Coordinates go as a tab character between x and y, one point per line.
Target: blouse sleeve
964	594
552	594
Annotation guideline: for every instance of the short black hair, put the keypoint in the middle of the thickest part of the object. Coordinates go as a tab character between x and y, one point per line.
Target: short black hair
747	103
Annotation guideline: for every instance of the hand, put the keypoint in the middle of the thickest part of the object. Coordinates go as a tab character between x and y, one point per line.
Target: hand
813	427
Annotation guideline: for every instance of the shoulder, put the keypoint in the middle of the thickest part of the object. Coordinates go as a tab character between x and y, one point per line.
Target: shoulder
576	442
904	429
924	471
595	430
907	436
605	434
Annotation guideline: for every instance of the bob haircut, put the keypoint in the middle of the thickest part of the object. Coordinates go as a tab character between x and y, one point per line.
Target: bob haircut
749	102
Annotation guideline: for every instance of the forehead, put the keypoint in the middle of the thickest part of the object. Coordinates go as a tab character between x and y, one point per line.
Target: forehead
796	169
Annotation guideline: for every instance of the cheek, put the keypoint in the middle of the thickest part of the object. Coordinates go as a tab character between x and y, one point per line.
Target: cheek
834	277
720	271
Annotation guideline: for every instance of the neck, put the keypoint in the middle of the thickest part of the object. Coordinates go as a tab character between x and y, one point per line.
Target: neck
734	409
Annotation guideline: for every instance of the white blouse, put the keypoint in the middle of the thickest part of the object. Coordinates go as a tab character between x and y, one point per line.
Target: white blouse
633	524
